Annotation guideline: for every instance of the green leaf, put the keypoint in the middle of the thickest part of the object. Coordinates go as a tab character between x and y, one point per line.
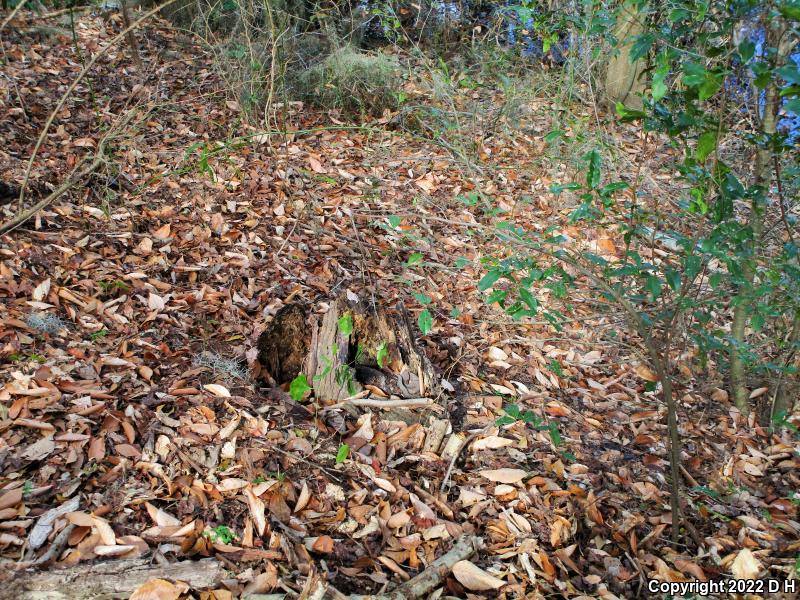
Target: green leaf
747	50
529	299
425	322
414	259
706	144
659	86
593	174
382	354
757	322
341	455
694	74
653	285
555	367
710	86
627	114
678	14
557	188
613	187
423	298
489	280
673	279
455	312
555	434
394	221
790	11
790	72
553	136
299	387
498	296
793	105
641	46
345	324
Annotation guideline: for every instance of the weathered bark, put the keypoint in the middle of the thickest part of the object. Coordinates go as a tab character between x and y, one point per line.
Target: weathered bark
787	390
743	302
329	366
110	579
623	78
380	351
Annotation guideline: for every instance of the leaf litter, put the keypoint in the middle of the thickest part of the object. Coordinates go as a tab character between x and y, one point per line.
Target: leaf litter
131	427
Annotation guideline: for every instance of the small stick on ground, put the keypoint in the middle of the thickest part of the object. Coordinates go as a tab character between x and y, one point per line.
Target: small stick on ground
432	577
385	404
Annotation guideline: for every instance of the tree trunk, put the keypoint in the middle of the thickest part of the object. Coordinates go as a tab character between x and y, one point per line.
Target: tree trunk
743	302
624	79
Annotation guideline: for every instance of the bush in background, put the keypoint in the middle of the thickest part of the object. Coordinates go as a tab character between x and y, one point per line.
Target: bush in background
353	82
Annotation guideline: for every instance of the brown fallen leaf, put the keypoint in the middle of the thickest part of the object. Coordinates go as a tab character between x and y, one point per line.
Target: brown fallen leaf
156	589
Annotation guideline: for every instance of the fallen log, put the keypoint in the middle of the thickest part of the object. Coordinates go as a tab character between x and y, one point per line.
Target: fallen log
109	579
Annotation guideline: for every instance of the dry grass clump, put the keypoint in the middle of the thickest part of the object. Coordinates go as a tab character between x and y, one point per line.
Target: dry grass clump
353	82
227	367
45	323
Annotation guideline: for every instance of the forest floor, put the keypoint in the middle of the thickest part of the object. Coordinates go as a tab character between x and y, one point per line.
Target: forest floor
121	420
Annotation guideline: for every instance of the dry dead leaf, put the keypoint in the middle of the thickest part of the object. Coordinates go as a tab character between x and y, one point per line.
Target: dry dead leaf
504	475
474	578
220	391
745	565
156	589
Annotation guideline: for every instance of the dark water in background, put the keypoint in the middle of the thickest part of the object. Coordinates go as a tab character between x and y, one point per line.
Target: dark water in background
521	37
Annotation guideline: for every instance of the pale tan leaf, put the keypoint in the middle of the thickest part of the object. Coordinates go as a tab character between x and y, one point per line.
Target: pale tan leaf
104	530
162	233
474	578
492	442
645	373
156	302
303	498
745	565
40	291
316	166
220	391
504	475
256	511
161	517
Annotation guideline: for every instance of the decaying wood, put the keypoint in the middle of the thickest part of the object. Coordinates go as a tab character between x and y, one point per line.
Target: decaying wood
381	351
332	376
385	404
283	346
109	579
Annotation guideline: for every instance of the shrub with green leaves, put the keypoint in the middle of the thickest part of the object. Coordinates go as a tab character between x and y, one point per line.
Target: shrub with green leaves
353	82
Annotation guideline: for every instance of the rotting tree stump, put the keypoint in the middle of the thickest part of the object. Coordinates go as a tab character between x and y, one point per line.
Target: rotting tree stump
338	351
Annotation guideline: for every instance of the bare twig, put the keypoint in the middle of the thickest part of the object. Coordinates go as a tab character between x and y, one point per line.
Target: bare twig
75	176
12	14
385	404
